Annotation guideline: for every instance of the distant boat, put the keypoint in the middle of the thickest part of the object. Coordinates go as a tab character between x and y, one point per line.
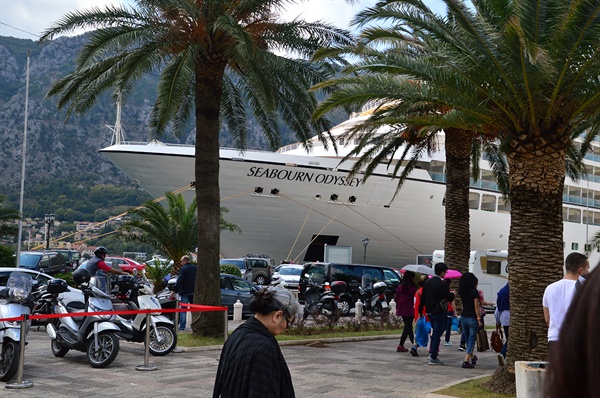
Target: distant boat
289	204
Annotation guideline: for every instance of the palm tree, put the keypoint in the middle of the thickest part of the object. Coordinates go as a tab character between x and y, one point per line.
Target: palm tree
525	72
219	59
173	230
385	132
7	216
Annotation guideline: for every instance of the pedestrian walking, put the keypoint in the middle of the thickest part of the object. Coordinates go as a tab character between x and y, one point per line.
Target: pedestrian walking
471	315
435	297
405	308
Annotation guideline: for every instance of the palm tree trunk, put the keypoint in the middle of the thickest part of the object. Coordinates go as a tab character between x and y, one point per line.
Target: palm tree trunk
457	243
535	256
209	78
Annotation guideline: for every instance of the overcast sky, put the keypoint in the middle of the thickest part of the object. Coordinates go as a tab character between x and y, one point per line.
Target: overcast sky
28	18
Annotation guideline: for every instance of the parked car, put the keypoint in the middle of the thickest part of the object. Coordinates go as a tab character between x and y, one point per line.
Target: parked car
126	264
262	268
234	288
352	274
288	273
72	257
49	262
241	263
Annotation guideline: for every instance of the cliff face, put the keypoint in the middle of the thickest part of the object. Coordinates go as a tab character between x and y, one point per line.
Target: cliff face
56	148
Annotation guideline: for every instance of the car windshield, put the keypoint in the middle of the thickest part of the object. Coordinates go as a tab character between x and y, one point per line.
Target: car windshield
238	263
290	271
28	260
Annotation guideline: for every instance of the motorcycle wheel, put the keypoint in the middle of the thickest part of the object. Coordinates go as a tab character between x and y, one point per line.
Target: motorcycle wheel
108	348
168	341
344	306
10	360
58	349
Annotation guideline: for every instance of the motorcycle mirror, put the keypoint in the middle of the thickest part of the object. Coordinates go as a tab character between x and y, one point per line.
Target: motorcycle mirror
306	276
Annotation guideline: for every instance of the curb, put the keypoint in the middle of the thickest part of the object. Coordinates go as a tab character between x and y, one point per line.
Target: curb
299	342
432	394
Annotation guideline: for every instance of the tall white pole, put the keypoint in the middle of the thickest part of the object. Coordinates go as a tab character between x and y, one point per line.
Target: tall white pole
23	163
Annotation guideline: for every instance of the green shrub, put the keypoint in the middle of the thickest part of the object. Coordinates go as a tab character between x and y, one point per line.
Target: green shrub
157	272
231	270
68	277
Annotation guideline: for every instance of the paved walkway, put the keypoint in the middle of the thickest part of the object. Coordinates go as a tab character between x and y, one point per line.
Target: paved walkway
350	369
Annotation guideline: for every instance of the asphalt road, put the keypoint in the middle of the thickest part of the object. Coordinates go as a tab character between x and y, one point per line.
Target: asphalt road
354	369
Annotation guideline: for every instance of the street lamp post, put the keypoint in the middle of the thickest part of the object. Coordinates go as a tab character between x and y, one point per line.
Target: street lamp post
365	243
48	219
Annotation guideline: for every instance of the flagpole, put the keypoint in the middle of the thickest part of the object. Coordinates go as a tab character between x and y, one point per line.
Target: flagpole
23	164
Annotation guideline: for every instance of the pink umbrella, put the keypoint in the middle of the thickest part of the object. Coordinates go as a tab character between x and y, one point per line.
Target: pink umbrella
452	274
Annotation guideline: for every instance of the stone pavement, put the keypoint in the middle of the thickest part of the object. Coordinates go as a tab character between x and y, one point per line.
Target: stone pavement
347	369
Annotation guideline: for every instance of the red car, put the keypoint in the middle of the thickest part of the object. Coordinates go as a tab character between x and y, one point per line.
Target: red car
126	264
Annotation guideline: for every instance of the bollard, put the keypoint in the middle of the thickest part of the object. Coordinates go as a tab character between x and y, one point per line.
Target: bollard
177	315
393	308
147	365
226	329
529	377
237	311
20	383
358	306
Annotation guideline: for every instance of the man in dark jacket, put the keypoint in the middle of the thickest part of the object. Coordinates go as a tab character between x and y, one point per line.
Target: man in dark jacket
185	285
435	298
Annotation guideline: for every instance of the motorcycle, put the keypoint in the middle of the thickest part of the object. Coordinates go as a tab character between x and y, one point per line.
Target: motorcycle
373	297
95	334
325	303
163	337
17	294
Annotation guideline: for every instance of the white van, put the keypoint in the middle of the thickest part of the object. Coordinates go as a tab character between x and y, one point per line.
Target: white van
490	267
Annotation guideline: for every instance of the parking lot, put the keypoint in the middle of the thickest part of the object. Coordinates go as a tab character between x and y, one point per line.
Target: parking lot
359	369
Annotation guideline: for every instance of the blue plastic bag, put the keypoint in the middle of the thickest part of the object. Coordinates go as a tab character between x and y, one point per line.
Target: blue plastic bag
454	324
422	332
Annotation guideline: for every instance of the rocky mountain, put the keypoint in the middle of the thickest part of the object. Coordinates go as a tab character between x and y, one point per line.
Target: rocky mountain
65	152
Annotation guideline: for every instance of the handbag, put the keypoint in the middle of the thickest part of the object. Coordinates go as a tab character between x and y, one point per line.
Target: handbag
482	341
422	332
496	340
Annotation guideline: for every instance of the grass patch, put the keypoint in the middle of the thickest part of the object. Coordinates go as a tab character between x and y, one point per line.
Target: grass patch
187	339
472	389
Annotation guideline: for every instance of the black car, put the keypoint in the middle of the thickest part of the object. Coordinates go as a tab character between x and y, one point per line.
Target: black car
49	262
352	274
71	256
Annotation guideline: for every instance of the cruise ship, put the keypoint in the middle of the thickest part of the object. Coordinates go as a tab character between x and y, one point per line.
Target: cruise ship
291	204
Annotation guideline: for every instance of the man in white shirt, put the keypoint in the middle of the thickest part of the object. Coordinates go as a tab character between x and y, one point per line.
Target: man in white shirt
558	295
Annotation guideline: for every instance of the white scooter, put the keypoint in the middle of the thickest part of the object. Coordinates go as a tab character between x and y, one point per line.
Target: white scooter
95	334
163	337
17	296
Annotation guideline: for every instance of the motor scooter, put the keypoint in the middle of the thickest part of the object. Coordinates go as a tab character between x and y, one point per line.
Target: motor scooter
374	300
18	301
163	337
95	334
322	303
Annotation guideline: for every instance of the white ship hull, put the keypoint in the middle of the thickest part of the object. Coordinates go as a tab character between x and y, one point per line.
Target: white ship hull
283	225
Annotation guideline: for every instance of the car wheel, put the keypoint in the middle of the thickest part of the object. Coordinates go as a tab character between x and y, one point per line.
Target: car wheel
260	280
344	306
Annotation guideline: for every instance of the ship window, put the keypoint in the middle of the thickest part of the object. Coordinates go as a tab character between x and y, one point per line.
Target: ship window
596	218
503	205
473	200
574	246
341	141
488	203
584	217
571	215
